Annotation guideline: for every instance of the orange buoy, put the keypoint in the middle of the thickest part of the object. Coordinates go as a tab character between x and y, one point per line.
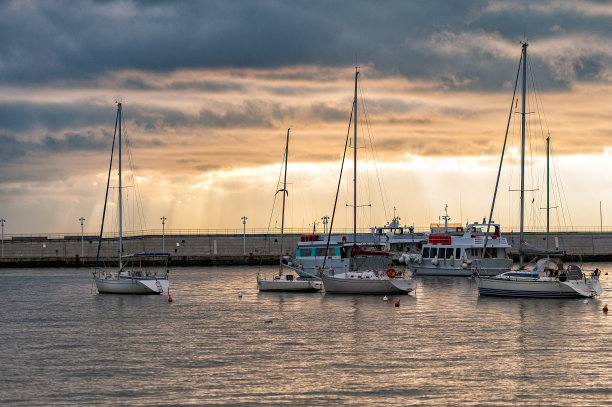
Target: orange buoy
605	308
169	298
397	303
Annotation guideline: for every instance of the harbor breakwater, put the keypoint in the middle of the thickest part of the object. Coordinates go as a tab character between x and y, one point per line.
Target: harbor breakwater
236	249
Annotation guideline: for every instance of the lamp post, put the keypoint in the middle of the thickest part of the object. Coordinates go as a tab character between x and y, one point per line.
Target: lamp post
163	219
82	220
244	219
314	227
2	220
325	219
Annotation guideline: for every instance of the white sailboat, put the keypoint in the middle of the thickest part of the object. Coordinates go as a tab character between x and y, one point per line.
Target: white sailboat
366	281
130	277
280	281
546	276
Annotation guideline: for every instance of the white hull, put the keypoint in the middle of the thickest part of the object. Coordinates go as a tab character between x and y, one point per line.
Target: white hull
132	285
342	284
496	267
285	285
587	287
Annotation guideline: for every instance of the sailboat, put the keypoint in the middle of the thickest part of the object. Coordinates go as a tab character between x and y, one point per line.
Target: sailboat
367	281
129	277
545	276
281	281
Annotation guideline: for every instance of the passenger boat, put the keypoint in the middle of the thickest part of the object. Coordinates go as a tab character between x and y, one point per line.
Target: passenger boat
447	254
134	273
313	251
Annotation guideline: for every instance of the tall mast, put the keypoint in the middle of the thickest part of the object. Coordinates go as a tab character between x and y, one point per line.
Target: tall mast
120	202
547	190
355	165
523	151
284	191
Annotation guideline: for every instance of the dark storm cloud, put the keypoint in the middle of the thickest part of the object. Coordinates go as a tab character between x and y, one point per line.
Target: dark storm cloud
12	148
43	41
23	117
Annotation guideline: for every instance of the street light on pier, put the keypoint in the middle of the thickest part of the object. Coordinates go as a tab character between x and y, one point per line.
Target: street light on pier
325	219
82	220
163	219
2	220
244	219
314	227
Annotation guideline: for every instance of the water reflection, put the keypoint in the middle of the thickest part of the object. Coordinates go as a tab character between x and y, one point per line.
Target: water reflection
444	345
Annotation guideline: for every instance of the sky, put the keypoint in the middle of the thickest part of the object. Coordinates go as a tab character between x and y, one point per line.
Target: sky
209	89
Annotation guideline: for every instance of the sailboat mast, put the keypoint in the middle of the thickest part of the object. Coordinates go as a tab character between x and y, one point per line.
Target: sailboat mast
284	191
523	151
120	202
547	190
355	165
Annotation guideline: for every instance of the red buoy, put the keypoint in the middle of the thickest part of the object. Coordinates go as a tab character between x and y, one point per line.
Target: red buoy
397	303
605	308
169	298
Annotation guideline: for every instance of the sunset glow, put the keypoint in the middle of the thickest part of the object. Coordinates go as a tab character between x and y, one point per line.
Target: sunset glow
209	90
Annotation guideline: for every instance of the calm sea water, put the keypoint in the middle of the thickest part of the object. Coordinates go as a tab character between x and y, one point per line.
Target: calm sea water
62	344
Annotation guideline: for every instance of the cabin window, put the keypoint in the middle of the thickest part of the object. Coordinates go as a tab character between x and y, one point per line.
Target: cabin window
298	253
426	253
342	251
433	252
449	252
457	253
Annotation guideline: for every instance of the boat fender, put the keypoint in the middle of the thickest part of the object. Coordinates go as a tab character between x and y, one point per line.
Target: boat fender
401	259
169	298
464	265
391	273
397	303
452	260
434	261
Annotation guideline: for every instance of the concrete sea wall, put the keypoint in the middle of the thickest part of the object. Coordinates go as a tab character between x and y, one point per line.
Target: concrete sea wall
234	249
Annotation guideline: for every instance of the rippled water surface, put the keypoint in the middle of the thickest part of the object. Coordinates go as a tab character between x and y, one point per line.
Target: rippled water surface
62	344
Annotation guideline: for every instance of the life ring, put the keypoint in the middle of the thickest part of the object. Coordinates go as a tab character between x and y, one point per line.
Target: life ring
391	273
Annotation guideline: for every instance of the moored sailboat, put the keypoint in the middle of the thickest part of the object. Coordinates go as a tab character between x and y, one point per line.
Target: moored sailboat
545	276
132	276
280	281
359	281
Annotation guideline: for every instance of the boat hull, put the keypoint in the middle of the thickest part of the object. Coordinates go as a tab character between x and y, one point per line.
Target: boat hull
132	285
340	285
285	285
492	267
539	289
